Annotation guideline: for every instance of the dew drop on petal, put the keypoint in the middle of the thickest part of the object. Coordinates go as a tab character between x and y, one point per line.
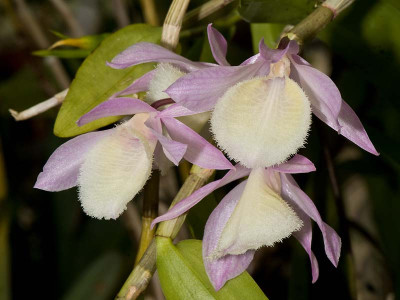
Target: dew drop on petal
261	218
261	122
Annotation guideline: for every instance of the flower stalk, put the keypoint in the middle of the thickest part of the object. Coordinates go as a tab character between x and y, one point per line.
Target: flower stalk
140	277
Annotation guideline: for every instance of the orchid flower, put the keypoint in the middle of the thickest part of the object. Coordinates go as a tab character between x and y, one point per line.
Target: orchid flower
110	167
260	211
262	108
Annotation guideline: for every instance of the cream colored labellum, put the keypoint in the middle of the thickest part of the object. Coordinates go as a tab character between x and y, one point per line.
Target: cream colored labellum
261	217
116	169
260	122
165	75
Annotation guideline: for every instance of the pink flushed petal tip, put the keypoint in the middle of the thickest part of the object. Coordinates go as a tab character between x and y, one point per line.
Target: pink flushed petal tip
218	45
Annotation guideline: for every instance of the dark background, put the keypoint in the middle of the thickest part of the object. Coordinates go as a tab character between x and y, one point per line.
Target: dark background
49	249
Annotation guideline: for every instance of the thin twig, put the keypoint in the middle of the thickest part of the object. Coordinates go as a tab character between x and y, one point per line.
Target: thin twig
344	228
32	26
120	13
39	108
204	10
73	24
150	12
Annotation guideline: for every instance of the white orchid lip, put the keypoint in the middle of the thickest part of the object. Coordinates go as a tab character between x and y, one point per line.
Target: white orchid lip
165	75
116	169
262	121
260	218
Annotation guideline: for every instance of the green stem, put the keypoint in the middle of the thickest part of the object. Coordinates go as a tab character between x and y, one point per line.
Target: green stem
204	10
144	270
150	212
316	21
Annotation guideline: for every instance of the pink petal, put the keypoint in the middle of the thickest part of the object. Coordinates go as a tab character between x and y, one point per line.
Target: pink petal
297	164
304	236
200	90
322	92
297	198
147	52
221	270
275	55
62	168
176	110
352	129
173	150
184	205
115	107
218	45
139	85
199	151
251	60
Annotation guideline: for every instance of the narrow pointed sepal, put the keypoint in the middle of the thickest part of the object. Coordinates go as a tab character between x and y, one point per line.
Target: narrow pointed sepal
322	92
298	199
352	128
261	122
260	218
218	45
113	172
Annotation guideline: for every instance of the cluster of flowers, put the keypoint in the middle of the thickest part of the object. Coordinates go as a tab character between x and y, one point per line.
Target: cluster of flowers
261	115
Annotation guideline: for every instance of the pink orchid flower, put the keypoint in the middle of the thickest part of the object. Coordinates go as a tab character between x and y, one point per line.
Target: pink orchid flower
110	167
260	211
262	108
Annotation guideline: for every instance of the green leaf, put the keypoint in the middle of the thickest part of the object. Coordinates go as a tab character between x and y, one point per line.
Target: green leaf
63	53
88	42
269	32
95	82
182	275
275	11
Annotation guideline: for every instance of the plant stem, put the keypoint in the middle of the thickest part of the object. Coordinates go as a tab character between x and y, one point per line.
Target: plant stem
142	273
173	23
150	212
197	177
204	11
36	33
317	20
69	18
150	12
